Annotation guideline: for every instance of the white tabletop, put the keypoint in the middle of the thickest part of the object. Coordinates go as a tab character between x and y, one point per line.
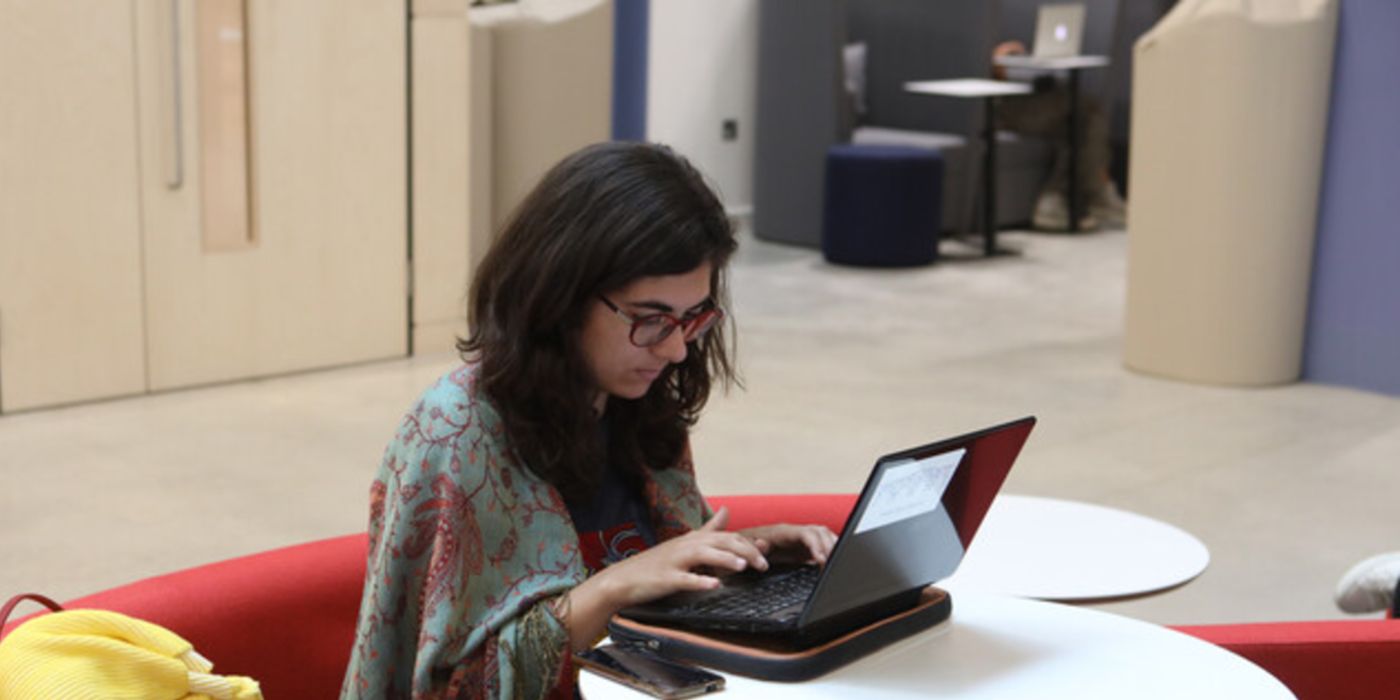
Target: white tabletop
968	87
1051	63
1002	647
1066	550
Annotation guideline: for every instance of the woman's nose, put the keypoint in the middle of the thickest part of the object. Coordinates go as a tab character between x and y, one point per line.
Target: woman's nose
673	348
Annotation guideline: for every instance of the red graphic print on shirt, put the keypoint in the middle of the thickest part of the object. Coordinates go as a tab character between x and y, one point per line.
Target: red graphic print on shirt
603	547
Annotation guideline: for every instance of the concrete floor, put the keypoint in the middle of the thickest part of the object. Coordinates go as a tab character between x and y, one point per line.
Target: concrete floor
1287	486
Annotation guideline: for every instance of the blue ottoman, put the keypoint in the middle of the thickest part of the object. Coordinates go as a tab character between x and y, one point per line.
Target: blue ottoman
883	205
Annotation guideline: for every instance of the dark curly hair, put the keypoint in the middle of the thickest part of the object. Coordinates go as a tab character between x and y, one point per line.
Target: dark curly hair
605	216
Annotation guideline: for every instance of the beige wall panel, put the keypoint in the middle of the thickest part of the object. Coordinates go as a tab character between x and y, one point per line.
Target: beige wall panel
702	68
441	251
325	282
70	266
430	338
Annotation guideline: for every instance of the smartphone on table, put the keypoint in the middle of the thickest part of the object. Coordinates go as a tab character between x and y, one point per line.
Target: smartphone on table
645	670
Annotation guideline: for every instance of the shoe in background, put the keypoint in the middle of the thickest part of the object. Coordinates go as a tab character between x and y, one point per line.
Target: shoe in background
1370	586
1108	206
1052	214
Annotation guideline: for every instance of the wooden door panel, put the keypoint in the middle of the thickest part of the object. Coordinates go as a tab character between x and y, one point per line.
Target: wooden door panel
70	237
322	281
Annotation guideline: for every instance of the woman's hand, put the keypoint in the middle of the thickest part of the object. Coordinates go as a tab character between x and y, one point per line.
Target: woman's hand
685	563
679	564
813	541
676	565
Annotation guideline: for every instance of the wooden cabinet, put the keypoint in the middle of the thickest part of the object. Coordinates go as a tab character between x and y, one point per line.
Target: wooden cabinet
113	279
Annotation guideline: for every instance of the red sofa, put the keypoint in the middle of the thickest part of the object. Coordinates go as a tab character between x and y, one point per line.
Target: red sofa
287	617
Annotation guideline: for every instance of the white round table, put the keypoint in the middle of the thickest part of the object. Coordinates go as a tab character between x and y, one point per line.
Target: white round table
1070	551
1003	647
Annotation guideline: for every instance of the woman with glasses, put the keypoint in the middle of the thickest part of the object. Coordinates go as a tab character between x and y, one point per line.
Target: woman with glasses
547	483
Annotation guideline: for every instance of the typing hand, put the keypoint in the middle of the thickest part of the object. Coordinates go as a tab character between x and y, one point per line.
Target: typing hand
811	544
685	563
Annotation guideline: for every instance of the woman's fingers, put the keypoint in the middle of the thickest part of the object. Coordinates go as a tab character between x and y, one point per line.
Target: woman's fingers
691	581
716	558
727	551
737	545
751	551
817	540
816	546
820	541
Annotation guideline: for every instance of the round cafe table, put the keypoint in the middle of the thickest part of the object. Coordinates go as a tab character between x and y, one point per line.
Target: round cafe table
1054	549
997	647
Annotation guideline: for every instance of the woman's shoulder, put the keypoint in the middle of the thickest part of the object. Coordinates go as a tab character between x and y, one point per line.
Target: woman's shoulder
456	401
453	438
451	413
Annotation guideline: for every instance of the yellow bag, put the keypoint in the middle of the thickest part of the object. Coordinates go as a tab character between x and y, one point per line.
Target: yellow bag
102	655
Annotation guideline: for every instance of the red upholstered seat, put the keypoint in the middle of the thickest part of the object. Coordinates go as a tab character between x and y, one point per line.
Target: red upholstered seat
287	617
829	509
1319	660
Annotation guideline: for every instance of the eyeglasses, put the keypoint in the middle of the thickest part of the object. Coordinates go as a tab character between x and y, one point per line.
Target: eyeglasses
652	329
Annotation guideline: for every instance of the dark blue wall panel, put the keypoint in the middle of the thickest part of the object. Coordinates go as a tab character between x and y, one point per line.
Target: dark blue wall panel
629	109
1353	335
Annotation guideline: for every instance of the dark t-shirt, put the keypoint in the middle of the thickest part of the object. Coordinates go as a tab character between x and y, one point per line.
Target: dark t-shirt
616	523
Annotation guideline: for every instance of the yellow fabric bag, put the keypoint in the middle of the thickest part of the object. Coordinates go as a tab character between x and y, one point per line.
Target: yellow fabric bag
102	655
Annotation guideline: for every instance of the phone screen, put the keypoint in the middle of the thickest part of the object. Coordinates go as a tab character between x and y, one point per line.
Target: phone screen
650	672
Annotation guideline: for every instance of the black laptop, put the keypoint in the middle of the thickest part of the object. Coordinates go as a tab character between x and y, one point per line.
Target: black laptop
911	526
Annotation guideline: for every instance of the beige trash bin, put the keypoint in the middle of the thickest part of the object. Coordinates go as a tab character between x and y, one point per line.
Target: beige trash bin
1229	121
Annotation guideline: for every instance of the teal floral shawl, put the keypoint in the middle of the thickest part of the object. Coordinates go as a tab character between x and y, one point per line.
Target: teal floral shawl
467	550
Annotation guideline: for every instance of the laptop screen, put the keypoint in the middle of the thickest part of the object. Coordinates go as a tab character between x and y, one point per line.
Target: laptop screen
916	517
1058	29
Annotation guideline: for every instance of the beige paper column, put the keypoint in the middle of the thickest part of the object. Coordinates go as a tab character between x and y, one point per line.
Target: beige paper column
1229	120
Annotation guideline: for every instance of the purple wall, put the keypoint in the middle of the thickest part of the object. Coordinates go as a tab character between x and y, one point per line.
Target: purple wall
1353	333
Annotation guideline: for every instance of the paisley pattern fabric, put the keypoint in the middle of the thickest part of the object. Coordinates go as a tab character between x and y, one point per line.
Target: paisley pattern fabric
467	551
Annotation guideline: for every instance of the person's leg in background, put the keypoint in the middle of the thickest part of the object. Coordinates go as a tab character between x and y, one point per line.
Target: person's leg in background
1098	195
1042	114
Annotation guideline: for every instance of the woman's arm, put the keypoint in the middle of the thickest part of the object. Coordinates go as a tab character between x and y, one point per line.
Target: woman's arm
468	553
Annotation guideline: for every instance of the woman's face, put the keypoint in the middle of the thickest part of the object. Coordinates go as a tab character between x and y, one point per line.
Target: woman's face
620	368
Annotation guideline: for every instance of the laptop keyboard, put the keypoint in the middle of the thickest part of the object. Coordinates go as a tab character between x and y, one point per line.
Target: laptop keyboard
764	596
